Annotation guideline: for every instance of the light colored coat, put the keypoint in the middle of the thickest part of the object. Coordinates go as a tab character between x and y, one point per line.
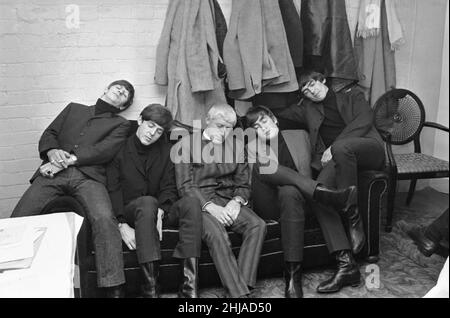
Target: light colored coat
187	57
256	51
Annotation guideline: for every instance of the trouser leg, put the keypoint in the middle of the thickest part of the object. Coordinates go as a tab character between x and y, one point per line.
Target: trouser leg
354	154
216	237
187	215
292	221
105	233
284	176
38	195
253	231
141	214
329	219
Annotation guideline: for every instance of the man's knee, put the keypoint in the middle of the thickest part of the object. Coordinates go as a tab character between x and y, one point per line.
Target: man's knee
341	151
257	224
190	209
190	205
146	201
146	207
213	234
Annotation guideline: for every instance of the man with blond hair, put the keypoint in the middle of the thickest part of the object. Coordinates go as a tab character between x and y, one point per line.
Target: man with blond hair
219	177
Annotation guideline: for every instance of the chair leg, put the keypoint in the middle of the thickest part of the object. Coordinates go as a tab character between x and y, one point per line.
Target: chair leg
390	204
412	188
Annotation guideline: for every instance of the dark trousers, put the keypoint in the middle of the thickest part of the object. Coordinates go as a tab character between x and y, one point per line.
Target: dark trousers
235	276
94	198
186	214
349	156
285	204
438	230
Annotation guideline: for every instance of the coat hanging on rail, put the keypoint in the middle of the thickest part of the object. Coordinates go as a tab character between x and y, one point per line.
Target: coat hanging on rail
327	40
187	60
256	50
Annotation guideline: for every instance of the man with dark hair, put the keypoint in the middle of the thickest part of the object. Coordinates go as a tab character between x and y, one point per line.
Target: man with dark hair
282	194
216	173
75	148
343	141
141	181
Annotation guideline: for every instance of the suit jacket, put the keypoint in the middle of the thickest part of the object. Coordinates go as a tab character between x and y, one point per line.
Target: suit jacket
218	179
299	147
354	110
94	139
129	180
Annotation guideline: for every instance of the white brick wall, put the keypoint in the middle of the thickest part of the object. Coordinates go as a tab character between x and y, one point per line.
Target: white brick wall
44	65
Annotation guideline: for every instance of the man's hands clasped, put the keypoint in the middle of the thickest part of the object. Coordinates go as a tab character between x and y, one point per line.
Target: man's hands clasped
225	215
59	160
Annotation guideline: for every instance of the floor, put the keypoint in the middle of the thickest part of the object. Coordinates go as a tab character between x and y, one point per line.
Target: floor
402	271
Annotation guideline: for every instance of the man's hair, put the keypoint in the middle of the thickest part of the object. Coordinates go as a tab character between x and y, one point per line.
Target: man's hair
128	87
309	75
256	112
222	111
159	115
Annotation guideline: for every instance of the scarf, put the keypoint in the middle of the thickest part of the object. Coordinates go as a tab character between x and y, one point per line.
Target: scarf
369	18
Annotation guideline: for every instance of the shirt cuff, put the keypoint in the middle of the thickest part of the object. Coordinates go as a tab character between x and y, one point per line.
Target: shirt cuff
205	205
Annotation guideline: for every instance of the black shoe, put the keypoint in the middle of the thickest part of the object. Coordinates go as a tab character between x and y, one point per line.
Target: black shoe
115	292
338	199
425	245
293	280
189	284
355	229
150	280
347	274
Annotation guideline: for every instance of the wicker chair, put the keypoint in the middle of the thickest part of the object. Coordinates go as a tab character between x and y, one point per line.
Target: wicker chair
400	119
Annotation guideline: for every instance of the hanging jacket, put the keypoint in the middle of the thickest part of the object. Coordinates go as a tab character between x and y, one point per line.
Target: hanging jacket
256	50
187	60
327	34
376	61
294	30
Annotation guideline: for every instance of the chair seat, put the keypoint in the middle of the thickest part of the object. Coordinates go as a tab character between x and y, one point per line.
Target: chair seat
420	163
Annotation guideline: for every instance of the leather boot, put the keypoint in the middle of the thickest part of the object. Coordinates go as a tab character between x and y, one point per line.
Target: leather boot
189	276
293	280
355	229
339	199
115	292
347	274
150	280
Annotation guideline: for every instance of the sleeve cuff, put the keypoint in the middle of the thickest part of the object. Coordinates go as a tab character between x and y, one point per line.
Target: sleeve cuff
205	205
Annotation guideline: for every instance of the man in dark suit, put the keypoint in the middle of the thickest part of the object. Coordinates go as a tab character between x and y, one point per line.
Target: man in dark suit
281	194
75	148
141	181
343	141
212	168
